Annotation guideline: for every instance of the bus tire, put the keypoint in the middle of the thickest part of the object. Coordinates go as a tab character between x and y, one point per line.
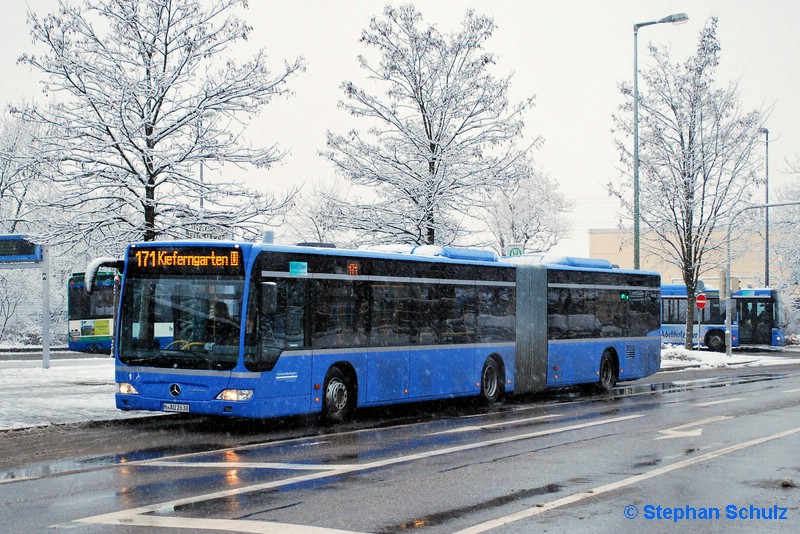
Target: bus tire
715	340
607	373
338	401
491	381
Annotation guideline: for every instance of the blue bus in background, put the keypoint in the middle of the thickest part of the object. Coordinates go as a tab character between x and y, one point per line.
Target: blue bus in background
264	330
756	320
91	316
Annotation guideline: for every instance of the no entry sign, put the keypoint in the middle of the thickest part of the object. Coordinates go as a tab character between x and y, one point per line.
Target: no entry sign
700	301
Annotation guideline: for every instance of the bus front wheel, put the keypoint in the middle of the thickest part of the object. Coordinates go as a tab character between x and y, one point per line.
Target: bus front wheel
339	399
491	381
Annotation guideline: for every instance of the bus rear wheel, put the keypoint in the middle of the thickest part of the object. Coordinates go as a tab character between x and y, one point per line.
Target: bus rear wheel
339	400
608	373
491	381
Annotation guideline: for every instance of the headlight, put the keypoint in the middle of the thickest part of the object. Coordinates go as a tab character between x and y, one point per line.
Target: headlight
124	388
235	395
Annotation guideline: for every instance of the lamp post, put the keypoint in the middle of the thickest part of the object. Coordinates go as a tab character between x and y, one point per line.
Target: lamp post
766	208
671	19
201	134
202	186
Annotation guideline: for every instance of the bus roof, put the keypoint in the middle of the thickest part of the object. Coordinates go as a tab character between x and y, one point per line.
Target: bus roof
754	292
428	253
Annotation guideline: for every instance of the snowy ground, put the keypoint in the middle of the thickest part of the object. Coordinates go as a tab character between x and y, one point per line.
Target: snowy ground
678	358
78	390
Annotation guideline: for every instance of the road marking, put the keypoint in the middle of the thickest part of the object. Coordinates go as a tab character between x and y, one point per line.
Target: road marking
723	401
252	465
679	432
227	525
791	391
493	425
141	516
17	479
576	497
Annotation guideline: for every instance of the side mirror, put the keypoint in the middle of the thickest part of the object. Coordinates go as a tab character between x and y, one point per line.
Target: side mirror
269	298
94	266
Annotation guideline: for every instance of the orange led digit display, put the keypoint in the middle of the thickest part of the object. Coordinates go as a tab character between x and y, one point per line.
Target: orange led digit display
190	259
352	268
178	258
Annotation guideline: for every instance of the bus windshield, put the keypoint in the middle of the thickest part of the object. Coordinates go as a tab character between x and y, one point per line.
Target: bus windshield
180	322
98	305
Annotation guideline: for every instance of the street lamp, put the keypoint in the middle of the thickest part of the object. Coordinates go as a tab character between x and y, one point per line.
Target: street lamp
766	209
671	19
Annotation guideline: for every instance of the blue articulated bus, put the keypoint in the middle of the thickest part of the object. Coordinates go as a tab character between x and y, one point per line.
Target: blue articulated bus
264	330
756	318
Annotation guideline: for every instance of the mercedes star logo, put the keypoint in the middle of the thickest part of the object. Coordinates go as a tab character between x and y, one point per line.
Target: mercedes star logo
174	390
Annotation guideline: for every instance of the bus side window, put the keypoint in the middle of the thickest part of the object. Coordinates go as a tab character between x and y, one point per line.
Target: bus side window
279	318
269	297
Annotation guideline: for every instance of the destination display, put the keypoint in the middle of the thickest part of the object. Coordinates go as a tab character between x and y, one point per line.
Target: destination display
17	248
194	260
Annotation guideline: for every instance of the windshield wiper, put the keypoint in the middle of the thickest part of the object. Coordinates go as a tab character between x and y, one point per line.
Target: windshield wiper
156	360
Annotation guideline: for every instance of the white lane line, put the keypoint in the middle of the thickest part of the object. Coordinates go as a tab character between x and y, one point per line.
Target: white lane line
18	479
723	401
493	425
791	390
252	465
227	525
130	517
570	499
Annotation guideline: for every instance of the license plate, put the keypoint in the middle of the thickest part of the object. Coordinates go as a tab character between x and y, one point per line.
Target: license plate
172	407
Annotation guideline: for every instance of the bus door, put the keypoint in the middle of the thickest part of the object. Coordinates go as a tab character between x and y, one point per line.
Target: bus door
755	321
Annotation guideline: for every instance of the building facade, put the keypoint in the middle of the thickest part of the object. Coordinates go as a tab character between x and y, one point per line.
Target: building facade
747	257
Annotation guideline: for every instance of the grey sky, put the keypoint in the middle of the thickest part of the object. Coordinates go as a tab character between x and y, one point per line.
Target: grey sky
571	55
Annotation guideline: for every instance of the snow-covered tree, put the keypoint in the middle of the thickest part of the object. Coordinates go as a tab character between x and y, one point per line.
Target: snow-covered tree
697	160
529	211
19	171
442	135
142	97
19	187
312	217
786	220
22	188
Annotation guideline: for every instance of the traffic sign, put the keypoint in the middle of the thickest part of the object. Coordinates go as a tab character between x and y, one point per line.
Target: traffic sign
700	301
515	249
18	249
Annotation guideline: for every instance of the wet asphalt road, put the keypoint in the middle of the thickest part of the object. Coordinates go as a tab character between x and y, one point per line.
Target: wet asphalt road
700	450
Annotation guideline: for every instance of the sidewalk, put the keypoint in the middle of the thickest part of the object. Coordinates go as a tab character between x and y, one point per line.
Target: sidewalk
72	390
676	358
79	387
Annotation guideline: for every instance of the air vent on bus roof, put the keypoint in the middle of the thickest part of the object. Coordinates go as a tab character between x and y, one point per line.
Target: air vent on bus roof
456	253
393	249
569	261
315	244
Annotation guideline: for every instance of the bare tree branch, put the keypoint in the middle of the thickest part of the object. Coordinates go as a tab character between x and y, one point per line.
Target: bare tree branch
697	161
441	135
142	95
